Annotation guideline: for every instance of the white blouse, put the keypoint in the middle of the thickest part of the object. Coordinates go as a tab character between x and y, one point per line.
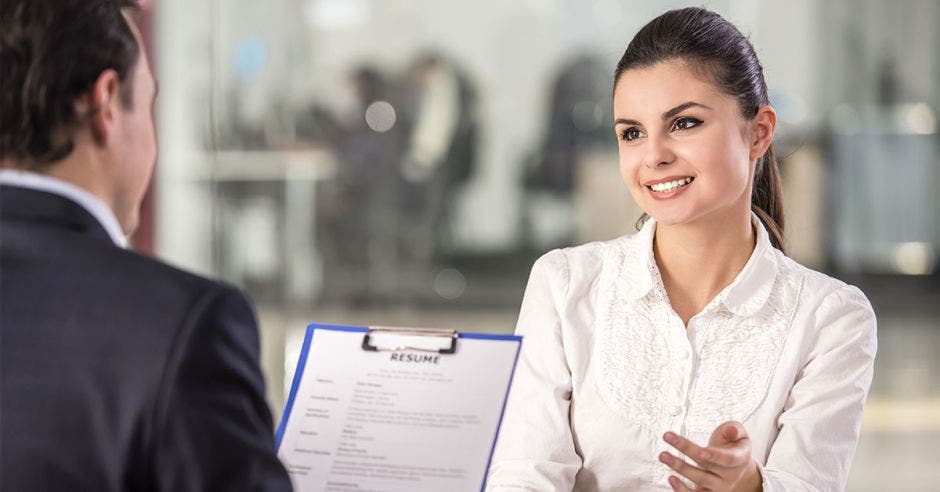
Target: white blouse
607	367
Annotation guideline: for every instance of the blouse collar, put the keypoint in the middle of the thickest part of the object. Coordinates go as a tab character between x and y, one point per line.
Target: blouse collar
745	296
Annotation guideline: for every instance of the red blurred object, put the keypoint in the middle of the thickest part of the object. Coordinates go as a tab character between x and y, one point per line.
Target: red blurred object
143	238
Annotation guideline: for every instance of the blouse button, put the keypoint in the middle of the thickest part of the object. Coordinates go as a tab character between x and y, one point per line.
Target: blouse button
676	411
684	355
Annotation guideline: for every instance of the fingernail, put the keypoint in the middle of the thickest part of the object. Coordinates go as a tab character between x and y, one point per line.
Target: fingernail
666	458
674	482
671	438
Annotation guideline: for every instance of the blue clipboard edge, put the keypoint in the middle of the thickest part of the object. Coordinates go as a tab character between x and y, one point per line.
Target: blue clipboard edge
502	411
302	362
299	371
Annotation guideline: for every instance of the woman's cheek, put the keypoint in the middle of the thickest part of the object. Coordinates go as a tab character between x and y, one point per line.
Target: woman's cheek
628	173
626	170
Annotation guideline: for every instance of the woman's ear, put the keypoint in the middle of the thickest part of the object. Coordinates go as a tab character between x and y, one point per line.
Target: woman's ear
763	126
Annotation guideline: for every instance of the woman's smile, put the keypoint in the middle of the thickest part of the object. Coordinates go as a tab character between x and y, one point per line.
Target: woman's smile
668	188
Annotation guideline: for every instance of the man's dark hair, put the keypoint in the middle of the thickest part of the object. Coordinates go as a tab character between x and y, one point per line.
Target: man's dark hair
51	52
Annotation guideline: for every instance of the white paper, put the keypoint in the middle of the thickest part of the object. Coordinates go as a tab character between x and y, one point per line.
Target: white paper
395	421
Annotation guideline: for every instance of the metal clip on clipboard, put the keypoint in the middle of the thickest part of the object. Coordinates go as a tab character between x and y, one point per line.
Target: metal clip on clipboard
369	340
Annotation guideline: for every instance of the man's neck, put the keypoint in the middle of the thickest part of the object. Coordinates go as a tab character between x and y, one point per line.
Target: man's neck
84	168
77	169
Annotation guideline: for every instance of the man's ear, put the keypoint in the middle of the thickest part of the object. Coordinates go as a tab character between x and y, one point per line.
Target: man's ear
764	124
99	106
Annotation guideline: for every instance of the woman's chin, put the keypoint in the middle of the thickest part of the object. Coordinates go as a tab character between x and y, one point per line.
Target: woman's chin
670	218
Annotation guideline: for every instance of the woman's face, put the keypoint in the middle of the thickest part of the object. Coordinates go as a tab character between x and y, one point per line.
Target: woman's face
686	153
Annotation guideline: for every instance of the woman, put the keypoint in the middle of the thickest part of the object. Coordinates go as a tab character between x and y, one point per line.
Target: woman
695	348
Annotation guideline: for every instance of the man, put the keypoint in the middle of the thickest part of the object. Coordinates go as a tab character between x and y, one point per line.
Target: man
116	372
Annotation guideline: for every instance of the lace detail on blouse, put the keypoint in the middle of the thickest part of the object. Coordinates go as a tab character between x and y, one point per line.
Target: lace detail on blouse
738	355
633	356
734	355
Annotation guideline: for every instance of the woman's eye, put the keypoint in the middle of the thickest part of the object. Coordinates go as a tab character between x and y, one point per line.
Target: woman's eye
631	134
686	123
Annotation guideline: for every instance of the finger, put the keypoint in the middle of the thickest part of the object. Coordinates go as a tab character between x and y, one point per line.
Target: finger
698	476
729	457
733	431
699	454
677	484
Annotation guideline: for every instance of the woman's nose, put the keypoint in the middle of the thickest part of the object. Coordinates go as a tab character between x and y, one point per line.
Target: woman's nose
658	153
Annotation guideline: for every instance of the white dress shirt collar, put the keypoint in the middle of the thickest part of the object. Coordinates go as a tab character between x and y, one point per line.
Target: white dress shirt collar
91	203
746	294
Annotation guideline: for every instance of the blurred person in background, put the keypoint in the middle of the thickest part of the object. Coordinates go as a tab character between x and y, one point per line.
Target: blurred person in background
573	123
695	348
357	212
117	372
440	157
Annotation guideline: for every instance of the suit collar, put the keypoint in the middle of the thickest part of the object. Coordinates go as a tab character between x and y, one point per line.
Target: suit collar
31	205
92	204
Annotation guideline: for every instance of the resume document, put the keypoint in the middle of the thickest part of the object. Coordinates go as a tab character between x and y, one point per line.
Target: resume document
398	419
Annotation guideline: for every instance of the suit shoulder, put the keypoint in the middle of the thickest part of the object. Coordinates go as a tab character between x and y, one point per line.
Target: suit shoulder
158	273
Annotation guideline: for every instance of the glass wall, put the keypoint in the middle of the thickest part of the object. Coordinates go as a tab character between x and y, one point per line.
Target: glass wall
404	162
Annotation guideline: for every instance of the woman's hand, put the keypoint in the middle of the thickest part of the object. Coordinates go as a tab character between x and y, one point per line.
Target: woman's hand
725	465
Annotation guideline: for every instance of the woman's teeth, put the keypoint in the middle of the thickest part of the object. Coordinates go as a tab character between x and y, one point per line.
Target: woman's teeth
671	185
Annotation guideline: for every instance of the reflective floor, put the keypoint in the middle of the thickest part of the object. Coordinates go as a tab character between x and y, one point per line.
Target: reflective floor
900	444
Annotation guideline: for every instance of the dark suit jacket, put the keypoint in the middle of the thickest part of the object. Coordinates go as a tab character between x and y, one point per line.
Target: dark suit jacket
118	372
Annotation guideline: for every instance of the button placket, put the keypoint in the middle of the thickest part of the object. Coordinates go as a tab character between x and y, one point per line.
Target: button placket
682	367
686	369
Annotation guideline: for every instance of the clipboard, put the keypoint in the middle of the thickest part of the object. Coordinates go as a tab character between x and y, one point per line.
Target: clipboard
369	340
383	408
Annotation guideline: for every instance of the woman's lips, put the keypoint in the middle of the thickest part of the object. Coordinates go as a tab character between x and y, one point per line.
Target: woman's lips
667	188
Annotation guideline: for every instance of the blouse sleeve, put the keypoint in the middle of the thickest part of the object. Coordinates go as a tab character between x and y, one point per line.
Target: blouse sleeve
820	423
535	449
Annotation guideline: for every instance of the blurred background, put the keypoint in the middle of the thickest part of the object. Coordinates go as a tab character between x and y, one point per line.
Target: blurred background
404	162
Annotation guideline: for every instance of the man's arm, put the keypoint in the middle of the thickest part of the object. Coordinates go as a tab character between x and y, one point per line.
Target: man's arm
213	429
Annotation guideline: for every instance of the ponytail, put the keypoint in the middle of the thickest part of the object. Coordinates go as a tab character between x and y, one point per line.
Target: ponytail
767	198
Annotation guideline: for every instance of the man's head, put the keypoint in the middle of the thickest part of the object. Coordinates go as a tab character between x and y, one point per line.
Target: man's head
77	96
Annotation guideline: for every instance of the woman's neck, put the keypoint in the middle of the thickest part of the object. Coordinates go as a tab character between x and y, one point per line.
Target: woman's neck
697	260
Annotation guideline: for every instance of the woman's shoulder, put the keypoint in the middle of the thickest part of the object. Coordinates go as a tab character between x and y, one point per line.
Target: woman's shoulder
821	291
577	271
587	258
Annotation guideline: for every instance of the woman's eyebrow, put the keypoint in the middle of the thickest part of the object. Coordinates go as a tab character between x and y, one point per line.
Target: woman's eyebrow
682	107
667	115
622	121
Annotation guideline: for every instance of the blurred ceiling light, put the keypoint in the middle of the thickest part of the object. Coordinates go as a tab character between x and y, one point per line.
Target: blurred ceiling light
335	14
449	283
251	54
380	116
913	258
920	119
